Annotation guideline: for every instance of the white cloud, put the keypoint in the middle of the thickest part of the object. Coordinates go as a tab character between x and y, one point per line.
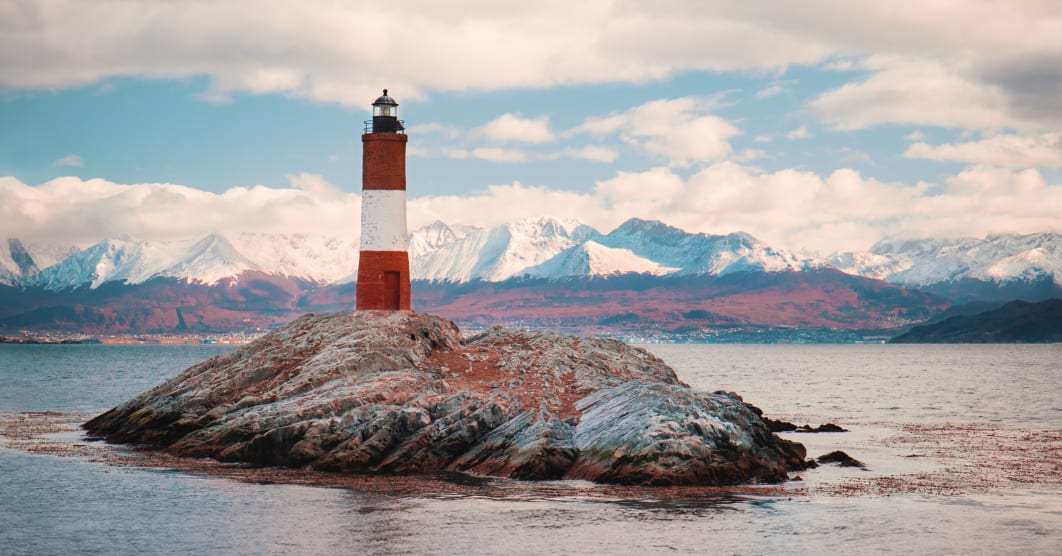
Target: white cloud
515	128
763	138
491	154
911	92
915	136
315	185
1014	151
82	212
434	128
638	192
500	204
745	155
326	51
770	91
789	208
799	133
592	153
680	131
71	160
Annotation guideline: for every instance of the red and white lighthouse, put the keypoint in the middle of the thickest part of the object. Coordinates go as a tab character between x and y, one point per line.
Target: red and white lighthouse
383	263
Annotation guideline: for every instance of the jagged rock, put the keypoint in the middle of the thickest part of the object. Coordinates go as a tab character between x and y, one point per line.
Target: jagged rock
841	458
785	426
403	392
827	427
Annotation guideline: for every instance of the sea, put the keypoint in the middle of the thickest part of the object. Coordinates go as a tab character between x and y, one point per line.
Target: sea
961	446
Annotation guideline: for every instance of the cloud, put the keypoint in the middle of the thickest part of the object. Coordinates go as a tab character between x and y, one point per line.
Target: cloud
71	160
843	210
499	204
680	131
1013	151
763	138
315	185
915	136
745	155
770	91
515	128
1031	82
591	152
912	92
434	128
1001	59
799	133
83	212
491	154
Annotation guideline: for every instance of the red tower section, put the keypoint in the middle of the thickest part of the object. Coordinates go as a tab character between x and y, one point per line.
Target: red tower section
383	261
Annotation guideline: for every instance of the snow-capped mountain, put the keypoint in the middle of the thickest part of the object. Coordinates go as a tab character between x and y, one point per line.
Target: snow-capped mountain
539	247
321	259
555	248
704	253
593	259
494	254
434	236
20	261
207	259
923	262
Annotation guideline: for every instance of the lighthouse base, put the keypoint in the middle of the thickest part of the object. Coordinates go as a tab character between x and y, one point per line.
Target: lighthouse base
383	281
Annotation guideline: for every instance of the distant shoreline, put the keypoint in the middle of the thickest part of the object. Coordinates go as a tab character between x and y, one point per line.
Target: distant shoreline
132	339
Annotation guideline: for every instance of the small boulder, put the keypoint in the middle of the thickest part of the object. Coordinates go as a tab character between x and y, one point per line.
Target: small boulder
841	458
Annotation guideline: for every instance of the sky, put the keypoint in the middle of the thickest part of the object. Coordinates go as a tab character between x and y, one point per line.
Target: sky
823	125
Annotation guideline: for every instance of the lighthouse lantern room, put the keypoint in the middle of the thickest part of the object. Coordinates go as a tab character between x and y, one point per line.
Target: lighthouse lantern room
383	262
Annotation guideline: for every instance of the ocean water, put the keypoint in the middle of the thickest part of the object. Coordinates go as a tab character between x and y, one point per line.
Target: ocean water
961	445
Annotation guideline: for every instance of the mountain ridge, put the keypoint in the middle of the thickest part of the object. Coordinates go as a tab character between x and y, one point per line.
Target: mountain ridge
964	269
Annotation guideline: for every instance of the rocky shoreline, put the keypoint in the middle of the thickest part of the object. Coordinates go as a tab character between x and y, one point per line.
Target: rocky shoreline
403	392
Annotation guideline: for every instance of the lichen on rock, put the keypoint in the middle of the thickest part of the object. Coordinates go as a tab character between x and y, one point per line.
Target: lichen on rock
404	392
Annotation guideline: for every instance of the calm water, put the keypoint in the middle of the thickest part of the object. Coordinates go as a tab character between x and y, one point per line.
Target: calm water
65	505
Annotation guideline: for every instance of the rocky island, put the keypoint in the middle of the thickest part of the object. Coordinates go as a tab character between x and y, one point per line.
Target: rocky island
405	392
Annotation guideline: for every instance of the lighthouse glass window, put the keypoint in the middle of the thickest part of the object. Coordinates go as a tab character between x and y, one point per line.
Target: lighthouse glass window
384	110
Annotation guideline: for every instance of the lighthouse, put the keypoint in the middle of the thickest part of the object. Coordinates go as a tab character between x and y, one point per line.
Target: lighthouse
383	262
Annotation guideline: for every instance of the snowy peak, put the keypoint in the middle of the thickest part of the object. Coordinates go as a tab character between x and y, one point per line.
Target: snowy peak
21	260
703	253
922	262
94	265
16	264
435	235
557	248
208	260
593	259
497	253
540	247
205	260
322	259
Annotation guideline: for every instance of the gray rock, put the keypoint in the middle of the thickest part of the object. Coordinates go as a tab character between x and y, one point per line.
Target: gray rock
402	392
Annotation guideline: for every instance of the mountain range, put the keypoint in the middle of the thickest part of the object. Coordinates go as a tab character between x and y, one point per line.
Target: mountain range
540	264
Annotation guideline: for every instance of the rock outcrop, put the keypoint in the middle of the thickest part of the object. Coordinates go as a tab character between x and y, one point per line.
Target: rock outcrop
401	392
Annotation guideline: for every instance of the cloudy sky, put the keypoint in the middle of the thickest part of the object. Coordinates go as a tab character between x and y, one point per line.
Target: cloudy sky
824	125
